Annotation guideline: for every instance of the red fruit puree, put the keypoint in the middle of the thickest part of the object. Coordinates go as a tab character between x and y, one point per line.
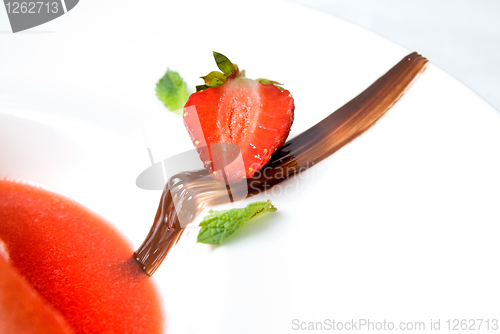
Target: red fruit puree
77	262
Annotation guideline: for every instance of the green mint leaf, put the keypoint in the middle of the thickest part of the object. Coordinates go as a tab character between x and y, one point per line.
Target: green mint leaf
172	91
220	225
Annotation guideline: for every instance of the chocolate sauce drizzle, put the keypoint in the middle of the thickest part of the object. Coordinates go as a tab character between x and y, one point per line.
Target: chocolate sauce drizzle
194	191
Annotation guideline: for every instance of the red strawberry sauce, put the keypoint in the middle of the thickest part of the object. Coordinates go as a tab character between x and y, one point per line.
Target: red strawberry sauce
77	262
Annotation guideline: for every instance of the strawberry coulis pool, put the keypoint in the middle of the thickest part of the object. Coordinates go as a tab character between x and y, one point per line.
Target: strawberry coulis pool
76	261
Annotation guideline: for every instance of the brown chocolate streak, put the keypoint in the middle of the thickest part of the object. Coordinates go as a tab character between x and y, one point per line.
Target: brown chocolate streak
194	191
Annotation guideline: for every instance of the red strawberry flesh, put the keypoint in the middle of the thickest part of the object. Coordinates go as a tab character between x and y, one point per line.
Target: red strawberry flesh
256	117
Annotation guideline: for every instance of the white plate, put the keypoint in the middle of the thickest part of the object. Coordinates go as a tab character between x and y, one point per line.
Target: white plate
400	225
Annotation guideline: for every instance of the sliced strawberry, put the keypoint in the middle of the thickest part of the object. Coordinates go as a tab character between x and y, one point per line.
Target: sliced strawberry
232	109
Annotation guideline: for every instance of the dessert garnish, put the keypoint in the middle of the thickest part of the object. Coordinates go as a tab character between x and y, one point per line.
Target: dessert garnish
218	226
172	91
256	115
194	191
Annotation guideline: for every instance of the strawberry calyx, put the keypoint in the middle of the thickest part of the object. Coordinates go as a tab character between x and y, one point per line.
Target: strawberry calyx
229	71
216	78
225	65
269	82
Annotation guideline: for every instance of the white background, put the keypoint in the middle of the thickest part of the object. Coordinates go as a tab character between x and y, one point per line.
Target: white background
460	36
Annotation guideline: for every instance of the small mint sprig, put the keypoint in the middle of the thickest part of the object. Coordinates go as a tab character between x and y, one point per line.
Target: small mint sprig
218	226
172	91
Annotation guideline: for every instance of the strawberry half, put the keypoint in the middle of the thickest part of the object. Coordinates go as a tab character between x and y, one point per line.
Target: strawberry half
256	115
